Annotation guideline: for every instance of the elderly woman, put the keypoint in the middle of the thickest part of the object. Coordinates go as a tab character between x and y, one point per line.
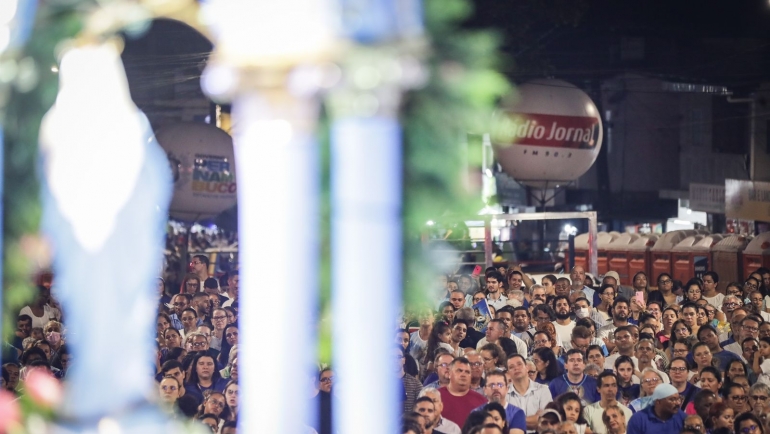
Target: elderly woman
649	381
614	419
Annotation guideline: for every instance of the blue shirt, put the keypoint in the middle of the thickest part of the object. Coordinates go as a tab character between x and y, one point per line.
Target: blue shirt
175	322
585	389
514	415
645	421
725	357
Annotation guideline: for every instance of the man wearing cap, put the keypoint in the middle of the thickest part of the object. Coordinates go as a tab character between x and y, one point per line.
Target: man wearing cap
663	416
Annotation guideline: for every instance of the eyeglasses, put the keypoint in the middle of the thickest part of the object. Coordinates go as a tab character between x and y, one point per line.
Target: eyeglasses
531	372
496	385
664	281
749	285
651	380
198	344
477	364
192	284
218	318
762	398
749	429
750	329
750	349
542	342
326	379
694	427
678	369
739	397
442	365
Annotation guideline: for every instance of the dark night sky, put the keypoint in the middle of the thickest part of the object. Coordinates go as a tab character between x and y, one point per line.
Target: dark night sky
710	41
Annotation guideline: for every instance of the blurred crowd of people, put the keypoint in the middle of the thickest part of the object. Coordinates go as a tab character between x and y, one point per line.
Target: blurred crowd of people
568	355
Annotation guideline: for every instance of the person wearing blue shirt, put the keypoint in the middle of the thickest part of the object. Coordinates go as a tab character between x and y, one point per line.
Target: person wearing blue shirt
496	390
574	380
708	335
662	417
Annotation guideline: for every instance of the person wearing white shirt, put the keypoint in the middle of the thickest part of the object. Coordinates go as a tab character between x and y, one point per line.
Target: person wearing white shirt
524	393
563	324
495	297
710	294
607	384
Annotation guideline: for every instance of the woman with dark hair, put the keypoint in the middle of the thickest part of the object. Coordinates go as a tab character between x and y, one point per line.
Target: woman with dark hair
546	365
748	423
231	399
624	369
498	415
508	346
710	379
440	336
446	312
232	315
164	296
571	409
666	288
640	282
475	418
172	338
216	404
163	322
191	284
204	376
737	368
230	338
668	319
720	416
693	291
702	356
681	332
493	357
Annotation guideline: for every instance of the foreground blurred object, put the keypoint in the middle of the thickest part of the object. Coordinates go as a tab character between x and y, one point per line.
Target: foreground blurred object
366	195
106	192
269	61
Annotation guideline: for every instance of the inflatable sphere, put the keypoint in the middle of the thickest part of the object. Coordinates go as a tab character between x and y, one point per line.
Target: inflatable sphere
551	134
203	167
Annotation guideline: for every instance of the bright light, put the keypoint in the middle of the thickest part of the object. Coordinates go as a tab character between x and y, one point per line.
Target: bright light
430	223
54	68
5	37
93	142
569	229
287	30
8	10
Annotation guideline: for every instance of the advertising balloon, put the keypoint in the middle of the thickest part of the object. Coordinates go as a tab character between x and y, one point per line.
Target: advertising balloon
201	159
552	134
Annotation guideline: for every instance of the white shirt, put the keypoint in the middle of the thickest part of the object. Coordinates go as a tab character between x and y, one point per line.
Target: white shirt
419	346
564	332
49	313
446	426
736	349
593	415
497	304
533	400
716	300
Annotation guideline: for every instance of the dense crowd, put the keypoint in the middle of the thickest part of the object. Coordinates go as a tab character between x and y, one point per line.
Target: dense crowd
563	355
574	356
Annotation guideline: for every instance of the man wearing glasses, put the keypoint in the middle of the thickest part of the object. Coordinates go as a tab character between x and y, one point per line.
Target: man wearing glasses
496	390
749	328
678	372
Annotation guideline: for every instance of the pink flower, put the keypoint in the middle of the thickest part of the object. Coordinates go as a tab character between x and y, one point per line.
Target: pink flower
10	413
43	388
